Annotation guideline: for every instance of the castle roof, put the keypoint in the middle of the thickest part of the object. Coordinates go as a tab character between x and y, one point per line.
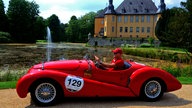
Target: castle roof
137	7
128	7
102	13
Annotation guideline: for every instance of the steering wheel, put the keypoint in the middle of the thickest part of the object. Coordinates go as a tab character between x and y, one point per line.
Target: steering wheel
98	65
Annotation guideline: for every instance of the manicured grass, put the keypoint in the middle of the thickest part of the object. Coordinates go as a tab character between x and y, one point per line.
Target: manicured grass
185	80
8	85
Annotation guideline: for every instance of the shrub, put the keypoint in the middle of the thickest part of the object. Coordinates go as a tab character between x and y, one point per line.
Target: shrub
162	54
43	41
146	45
174	71
5	37
179	71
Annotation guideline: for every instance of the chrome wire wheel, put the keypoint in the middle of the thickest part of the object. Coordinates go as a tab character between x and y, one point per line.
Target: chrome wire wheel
45	92
152	89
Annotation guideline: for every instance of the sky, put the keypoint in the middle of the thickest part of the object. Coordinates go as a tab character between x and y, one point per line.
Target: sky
64	9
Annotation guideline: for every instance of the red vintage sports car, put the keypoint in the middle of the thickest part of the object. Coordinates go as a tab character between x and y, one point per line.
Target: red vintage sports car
50	81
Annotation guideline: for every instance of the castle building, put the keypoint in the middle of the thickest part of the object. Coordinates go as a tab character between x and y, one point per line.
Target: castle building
131	19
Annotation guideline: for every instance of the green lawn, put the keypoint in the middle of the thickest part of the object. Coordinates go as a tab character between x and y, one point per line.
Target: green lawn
8	85
12	84
185	80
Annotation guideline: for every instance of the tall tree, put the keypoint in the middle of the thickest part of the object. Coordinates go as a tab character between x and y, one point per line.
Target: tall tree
86	24
73	30
188	6
40	29
3	18
54	25
172	27
22	16
63	32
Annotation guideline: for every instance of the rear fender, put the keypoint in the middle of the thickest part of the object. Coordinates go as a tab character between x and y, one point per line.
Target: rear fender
139	77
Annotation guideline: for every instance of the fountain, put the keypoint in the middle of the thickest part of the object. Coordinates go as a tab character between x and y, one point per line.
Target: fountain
49	44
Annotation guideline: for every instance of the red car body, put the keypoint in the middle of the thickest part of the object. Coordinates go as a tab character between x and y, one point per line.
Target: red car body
82	78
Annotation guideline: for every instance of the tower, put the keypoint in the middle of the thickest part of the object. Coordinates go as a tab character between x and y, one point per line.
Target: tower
162	5
110	9
110	20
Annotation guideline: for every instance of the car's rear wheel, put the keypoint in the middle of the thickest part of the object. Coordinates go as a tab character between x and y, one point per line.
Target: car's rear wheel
45	93
152	90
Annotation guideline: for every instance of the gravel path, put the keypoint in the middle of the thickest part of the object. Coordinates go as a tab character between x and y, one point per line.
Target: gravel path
178	99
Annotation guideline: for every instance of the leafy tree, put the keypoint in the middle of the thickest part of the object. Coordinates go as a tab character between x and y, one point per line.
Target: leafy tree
22	17
3	18
171	29
63	31
40	29
73	30
86	24
188	6
54	25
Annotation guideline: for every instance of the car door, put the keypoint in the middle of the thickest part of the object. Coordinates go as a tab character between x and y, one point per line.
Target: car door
109	76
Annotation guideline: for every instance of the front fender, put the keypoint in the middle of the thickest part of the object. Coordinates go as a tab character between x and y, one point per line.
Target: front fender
27	80
23	85
138	78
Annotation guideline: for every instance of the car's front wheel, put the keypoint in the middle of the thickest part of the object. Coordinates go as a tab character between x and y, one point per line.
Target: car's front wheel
45	93
152	90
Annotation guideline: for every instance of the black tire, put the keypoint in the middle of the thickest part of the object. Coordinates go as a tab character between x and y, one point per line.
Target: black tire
152	90
45	93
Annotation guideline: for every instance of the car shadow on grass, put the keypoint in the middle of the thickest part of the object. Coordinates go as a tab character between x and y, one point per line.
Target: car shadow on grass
168	100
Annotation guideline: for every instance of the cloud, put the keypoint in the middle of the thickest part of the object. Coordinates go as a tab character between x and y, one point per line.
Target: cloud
63	13
55	2
64	9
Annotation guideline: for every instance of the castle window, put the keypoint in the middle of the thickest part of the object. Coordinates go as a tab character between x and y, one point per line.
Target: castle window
137	29
113	29
143	29
130	3
142	18
135	10
146	10
148	19
113	18
131	29
119	18
155	19
123	10
148	29
126	19
126	29
131	19
121	29
102	22
142	3
136	18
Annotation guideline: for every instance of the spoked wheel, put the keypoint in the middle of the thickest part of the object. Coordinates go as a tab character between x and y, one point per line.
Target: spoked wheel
152	90
45	93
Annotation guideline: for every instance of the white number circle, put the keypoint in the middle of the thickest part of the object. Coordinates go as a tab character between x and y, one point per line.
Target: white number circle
74	84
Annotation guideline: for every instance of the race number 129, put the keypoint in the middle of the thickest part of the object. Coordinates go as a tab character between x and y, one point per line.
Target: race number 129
73	83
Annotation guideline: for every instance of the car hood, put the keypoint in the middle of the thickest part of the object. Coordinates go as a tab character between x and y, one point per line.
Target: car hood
68	65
